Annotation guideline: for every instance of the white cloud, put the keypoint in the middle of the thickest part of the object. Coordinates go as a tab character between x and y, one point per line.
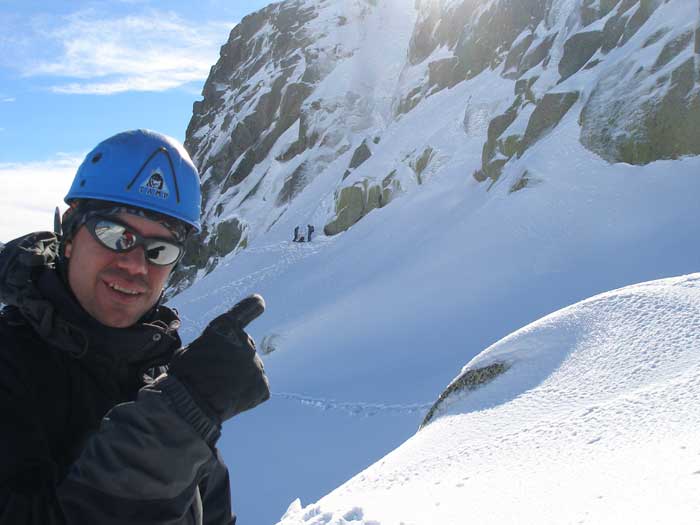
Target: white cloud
9	99
31	192
152	51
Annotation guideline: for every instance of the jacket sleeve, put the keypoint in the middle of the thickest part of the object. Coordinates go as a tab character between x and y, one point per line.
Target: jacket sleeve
143	466
216	496
27	474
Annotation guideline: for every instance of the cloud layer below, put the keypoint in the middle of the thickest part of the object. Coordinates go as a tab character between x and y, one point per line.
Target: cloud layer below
31	192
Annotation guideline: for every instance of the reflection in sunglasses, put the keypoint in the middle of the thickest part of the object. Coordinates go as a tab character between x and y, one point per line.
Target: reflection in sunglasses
118	237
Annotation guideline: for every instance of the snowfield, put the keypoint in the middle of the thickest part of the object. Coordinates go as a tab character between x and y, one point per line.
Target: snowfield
597	420
364	329
368	326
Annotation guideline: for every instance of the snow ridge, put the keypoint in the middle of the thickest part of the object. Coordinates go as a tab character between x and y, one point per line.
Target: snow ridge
596	421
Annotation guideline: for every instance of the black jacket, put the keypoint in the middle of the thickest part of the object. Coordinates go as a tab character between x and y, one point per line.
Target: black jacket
88	434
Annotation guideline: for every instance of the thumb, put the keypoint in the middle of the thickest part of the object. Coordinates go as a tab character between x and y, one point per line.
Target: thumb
247	310
239	316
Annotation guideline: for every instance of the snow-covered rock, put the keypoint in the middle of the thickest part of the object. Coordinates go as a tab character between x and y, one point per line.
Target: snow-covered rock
646	101
307	96
594	419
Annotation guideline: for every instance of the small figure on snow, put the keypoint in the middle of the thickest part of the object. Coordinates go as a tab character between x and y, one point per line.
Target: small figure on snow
310	230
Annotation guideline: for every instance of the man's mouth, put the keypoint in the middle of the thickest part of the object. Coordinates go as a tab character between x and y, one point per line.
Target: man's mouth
123	289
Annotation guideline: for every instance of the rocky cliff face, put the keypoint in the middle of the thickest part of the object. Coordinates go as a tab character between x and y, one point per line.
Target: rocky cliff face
322	111
270	122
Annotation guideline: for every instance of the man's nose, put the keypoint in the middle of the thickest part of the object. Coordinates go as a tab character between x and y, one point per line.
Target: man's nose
133	261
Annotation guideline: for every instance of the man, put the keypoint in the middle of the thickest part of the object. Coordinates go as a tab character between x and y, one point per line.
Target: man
105	418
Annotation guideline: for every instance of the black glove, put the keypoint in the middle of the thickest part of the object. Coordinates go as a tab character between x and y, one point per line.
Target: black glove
220	368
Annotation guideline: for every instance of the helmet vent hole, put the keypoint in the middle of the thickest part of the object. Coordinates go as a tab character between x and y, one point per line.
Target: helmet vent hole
96	158
82	183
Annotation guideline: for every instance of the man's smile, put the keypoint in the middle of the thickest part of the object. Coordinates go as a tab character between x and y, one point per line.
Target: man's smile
125	289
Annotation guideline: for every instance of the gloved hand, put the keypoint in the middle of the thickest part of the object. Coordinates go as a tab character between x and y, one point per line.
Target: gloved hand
220	368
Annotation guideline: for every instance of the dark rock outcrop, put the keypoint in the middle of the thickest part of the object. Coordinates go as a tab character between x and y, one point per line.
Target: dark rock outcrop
350	207
548	113
478	40
361	154
228	235
420	163
629	119
536	55
578	50
293	185
486	44
352	203
465	383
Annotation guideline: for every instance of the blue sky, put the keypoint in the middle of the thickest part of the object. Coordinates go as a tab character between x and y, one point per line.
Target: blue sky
75	72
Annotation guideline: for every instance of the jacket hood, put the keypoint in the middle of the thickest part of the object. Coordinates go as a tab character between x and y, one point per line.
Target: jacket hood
31	283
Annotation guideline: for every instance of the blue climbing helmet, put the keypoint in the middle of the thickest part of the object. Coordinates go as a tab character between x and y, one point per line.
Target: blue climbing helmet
144	169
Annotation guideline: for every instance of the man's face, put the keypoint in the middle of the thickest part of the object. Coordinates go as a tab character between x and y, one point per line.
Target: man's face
116	288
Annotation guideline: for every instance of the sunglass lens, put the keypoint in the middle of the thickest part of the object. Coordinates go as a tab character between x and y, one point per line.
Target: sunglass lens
114	236
162	252
119	238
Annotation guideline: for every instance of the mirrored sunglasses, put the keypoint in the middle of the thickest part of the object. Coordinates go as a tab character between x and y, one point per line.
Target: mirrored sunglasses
121	238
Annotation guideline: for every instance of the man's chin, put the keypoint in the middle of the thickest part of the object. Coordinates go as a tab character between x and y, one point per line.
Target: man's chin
118	321
118	317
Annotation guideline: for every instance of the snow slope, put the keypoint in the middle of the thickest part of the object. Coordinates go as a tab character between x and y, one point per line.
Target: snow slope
597	420
366	327
370	325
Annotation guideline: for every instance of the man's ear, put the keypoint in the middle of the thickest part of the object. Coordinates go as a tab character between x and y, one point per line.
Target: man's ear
68	248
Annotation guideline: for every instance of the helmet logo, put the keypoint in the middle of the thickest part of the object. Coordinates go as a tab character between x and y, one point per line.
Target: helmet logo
155	186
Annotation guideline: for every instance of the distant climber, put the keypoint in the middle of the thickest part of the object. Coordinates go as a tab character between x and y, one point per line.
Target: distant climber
301	238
